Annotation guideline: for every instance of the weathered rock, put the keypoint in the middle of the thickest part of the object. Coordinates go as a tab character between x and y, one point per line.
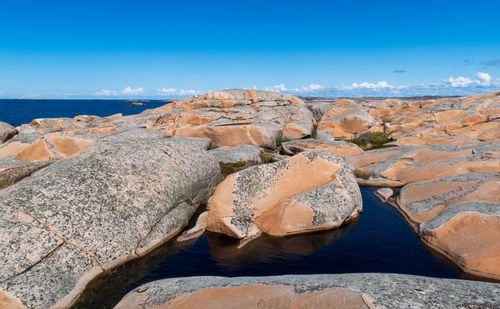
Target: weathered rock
234	117
345	118
127	194
417	163
12	171
459	216
6	132
197	230
314	291
340	148
310	191
384	194
241	153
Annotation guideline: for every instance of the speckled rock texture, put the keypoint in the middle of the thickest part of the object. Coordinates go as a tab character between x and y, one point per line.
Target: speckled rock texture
240	153
340	148
310	191
410	164
229	118
315	291
119	198
459	216
413	121
6	131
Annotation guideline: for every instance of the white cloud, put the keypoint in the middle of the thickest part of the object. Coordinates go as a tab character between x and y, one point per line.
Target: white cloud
105	92
132	91
459	81
484	79
180	92
365	85
168	90
282	88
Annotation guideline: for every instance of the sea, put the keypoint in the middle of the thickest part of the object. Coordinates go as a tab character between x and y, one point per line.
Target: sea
20	111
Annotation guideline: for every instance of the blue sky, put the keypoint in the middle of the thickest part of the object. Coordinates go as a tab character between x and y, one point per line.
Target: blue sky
148	49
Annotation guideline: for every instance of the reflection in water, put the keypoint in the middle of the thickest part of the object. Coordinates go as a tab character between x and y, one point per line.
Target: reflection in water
268	249
378	241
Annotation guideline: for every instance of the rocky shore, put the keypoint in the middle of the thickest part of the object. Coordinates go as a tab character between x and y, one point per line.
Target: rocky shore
79	196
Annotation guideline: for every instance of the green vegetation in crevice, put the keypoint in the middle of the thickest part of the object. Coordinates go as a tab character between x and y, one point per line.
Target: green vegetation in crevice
314	132
280	140
230	168
372	140
265	157
359	173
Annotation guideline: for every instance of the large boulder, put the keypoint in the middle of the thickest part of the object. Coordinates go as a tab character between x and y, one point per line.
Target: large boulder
117	200
234	117
314	291
460	217
6	131
310	191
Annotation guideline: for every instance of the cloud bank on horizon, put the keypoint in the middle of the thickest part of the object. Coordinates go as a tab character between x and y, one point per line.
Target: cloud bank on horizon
460	85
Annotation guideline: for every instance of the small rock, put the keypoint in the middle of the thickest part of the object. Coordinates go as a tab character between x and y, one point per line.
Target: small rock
384	194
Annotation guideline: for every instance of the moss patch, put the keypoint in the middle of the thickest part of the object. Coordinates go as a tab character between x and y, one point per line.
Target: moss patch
372	140
230	168
359	173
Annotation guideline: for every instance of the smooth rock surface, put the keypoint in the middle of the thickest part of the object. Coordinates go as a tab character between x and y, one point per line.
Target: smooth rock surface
116	200
340	148
459	216
314	291
6	132
310	191
241	153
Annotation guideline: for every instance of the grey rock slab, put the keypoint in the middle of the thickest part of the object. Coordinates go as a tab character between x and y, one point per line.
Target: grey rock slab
6	132
126	194
240	153
12	171
58	275
385	290
23	242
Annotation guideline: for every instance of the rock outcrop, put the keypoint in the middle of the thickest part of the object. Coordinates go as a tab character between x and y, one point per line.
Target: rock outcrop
417	163
340	148
310	191
6	132
114	201
459	216
314	291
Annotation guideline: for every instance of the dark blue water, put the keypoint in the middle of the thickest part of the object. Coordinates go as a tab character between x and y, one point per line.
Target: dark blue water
17	112
379	241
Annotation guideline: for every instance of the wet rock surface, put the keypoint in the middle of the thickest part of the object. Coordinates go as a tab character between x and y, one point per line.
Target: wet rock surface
336	291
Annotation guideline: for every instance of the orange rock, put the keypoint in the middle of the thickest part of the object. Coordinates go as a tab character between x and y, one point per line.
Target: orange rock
274	197
449	116
232	135
9	302
102	130
67	146
12	149
471	240
37	151
256	296
339	148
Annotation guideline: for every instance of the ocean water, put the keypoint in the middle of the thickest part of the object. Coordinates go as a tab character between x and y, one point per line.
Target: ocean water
378	241
19	111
